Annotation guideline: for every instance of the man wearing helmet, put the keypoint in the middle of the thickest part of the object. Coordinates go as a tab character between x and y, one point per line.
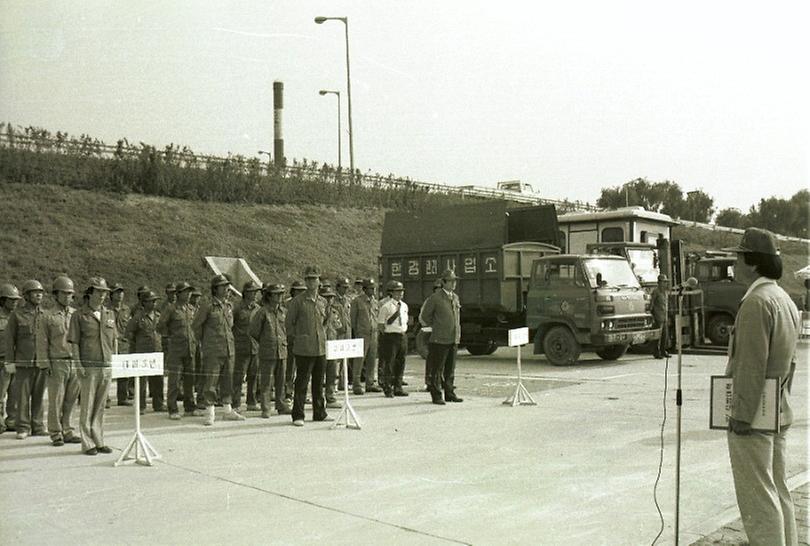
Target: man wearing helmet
93	331
9	298
176	325
392	321
27	356
63	382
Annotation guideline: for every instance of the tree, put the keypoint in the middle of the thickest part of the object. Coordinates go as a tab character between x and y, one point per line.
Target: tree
698	207
732	218
666	197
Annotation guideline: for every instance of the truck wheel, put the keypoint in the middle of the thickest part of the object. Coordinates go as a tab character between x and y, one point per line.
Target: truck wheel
611	352
720	329
561	346
481	349
422	339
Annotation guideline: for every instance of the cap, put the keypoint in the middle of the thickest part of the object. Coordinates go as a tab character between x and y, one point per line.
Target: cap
116	287
63	284
9	291
662	278
311	271
342	281
170	287
219	280
251	286
448	275
369	283
98	283
393	286
195	291
757	240
358	280
327	292
148	296
142	290
326	284
182	286
274	288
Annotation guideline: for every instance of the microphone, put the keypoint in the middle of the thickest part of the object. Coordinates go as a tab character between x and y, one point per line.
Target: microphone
687	286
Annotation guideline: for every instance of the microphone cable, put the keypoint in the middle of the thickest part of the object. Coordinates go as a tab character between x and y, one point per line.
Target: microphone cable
661	456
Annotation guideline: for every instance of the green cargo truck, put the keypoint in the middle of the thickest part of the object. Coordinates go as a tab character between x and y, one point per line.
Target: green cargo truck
586	302
490	246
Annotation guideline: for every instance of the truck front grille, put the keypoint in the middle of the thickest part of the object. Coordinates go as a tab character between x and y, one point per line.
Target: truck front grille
631	323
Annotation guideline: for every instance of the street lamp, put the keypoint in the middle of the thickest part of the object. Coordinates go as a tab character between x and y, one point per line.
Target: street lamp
269	157
322	93
691	196
345	20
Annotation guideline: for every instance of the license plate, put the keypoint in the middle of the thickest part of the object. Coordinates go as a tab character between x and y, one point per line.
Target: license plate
639	339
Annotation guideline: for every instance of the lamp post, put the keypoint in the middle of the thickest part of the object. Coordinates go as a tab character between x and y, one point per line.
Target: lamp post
269	157
691	196
322	93
345	20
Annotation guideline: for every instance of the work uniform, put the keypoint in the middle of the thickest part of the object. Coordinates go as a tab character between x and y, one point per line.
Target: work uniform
125	386
246	357
63	382
8	404
441	313
212	326
306	318
143	337
335	329
763	345
27	349
393	320
345	304
176	324
95	335
660	311
267	328
364	310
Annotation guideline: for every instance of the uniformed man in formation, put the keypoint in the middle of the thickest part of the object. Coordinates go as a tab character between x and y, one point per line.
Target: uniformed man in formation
275	346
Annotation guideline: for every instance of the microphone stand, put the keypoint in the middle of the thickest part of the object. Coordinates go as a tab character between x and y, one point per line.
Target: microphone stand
679	404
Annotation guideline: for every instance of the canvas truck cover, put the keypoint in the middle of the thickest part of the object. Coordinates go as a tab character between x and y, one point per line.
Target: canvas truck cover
237	270
476	226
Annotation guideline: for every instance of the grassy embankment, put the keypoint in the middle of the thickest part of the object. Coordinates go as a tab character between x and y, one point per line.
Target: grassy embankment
135	239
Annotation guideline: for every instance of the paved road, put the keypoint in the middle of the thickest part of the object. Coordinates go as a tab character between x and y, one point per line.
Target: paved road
578	468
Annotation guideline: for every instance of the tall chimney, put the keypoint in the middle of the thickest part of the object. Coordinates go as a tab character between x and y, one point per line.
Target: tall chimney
278	135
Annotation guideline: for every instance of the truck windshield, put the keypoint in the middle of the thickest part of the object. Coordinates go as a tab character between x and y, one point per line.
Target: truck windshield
615	273
644	264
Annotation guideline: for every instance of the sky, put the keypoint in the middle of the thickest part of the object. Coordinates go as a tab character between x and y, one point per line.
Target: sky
569	97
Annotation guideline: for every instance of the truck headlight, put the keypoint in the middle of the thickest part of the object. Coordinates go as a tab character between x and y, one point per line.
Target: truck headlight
607	324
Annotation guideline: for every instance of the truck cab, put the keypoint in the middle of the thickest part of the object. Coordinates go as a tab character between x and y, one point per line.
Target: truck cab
578	302
642	257
721	293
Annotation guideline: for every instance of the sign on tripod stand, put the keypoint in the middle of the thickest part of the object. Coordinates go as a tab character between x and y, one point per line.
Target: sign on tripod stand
345	349
521	397
137	365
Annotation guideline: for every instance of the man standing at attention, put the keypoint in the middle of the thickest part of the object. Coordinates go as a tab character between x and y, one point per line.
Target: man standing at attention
63	382
27	357
125	386
213	327
763	345
441	313
306	317
175	324
92	330
364	311
9	298
246	360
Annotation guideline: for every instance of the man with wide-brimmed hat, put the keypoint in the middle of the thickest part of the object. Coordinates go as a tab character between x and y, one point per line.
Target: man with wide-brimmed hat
440	312
306	319
213	326
246	359
27	357
176	324
143	337
93	331
267	327
363	313
125	386
762	345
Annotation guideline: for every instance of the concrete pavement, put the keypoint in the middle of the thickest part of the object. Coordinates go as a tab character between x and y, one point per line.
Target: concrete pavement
578	468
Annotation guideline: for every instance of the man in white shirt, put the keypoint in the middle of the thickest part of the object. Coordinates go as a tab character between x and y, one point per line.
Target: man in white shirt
392	321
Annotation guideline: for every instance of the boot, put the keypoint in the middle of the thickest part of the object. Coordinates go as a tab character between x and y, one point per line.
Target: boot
210	416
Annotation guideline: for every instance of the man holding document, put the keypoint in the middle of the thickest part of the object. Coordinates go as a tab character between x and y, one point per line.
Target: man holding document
763	345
